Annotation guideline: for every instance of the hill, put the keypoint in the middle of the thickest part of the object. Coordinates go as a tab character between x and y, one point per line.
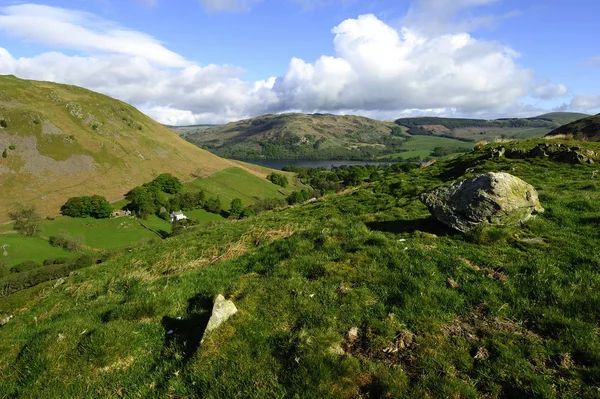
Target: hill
588	129
355	295
59	141
481	129
300	136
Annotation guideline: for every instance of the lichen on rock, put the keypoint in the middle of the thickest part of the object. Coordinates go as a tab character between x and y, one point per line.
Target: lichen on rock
496	199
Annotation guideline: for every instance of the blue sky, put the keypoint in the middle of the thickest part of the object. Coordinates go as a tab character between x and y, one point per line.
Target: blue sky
213	61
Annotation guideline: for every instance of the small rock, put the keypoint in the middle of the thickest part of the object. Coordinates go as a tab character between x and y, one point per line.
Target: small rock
59	282
336	350
5	320
352	335
222	311
453	284
170	332
482	354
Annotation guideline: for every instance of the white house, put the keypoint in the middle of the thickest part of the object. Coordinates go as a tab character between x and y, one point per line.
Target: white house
177	216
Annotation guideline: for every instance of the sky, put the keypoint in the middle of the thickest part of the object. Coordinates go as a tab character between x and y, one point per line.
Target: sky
186	62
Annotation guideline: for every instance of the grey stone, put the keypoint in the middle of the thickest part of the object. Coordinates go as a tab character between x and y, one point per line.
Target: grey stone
497	199
222	310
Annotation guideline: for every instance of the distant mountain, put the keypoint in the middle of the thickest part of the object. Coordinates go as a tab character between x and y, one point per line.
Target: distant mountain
326	136
482	129
588	128
316	136
58	141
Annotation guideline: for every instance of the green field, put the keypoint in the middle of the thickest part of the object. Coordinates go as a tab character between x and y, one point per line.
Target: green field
21	248
422	146
235	183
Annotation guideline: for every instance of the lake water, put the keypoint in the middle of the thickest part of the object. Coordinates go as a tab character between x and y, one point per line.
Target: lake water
280	163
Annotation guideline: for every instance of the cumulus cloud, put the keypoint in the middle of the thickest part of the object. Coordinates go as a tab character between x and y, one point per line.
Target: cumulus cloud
375	70
585	102
546	90
78	30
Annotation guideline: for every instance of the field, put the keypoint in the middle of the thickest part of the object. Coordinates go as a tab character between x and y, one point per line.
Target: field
356	295
422	147
236	183
21	248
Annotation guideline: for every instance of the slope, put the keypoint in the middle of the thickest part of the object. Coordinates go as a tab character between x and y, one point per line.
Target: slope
588	129
59	141
299	136
359	295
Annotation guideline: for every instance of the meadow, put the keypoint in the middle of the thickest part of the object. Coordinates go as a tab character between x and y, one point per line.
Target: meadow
356	295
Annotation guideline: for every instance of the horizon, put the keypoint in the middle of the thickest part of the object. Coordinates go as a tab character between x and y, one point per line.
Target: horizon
216	61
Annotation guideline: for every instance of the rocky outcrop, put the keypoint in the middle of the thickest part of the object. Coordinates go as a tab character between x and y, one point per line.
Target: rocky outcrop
553	151
497	199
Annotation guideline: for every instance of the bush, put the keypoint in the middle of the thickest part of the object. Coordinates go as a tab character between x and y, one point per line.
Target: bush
278	179
83	261
167	183
4	154
24	266
65	241
298	197
213	205
3	123
247	212
236	208
268	204
12	147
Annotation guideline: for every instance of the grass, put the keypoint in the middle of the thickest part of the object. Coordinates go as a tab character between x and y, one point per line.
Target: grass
21	248
358	295
235	183
422	147
102	234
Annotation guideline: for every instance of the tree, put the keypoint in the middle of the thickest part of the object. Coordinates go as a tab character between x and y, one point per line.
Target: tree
247	212
26	220
79	207
4	154
167	183
141	201
213	205
278	179
100	207
236	208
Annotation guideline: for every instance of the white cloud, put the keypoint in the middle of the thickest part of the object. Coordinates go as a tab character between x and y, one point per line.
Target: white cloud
546	90
585	102
228	5
375	70
83	31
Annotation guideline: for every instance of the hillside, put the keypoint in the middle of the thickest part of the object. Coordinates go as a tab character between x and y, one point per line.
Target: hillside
59	141
481	129
588	129
358	295
300	136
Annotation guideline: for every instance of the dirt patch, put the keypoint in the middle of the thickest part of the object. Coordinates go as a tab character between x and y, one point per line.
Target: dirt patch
48	128
38	165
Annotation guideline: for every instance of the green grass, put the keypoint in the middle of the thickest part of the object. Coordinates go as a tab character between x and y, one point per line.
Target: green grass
422	146
202	216
21	248
233	183
520	322
103	234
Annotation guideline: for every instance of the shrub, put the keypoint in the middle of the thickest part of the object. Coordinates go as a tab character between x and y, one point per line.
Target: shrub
267	204
278	179
247	212
3	123
236	208
65	241
24	266
83	261
213	205
12	147
298	197
26	220
4	154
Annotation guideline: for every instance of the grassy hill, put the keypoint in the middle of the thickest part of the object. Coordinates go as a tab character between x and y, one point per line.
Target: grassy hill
59	141
299	136
359	295
325	136
588	129
481	129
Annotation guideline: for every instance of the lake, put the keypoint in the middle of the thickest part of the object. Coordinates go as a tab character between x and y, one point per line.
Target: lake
280	163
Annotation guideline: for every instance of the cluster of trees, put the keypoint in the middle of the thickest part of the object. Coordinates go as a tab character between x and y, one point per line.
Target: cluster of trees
279	179
65	241
95	206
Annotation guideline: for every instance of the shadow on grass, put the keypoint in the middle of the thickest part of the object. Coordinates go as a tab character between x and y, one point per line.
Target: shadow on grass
427	225
184	334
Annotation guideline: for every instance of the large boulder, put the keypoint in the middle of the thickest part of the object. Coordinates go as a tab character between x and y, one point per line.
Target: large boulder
497	199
